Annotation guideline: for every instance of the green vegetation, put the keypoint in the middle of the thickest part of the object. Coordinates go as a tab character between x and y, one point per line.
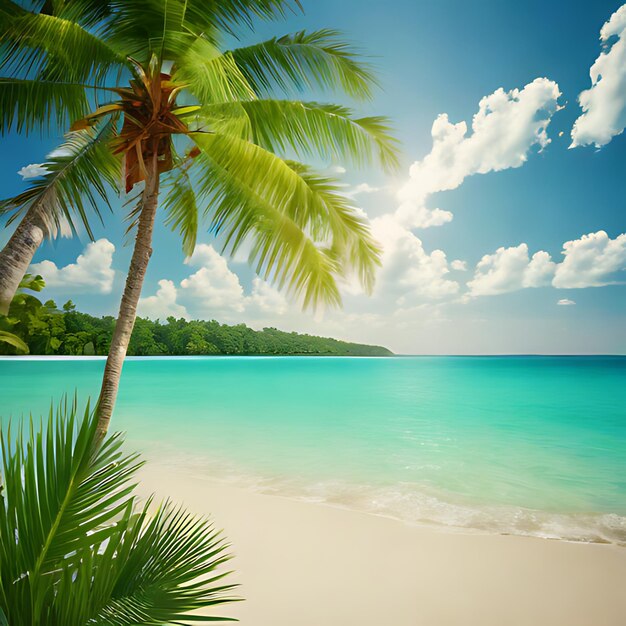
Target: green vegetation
76	549
45	329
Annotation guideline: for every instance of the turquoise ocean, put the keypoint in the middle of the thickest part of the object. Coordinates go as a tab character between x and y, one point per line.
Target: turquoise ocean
521	445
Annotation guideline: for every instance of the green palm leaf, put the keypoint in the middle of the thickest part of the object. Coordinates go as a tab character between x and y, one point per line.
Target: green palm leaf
145	27
46	45
87	13
72	549
30	104
309	128
306	61
301	225
142	20
210	75
354	247
282	186
168	26
203	15
79	171
169	569
181	210
59	498
281	249
13	340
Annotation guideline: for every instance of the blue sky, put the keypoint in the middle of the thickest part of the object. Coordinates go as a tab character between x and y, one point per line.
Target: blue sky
514	183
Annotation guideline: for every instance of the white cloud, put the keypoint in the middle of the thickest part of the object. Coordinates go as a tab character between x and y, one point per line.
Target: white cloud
91	272
360	189
415	216
565	302
34	170
213	287
213	291
163	304
539	271
510	269
604	104
267	299
591	261
505	128
408	272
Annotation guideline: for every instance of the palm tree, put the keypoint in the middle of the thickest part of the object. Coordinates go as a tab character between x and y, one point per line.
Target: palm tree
76	550
71	188
206	125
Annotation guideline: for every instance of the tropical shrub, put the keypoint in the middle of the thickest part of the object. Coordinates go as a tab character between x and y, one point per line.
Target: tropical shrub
77	549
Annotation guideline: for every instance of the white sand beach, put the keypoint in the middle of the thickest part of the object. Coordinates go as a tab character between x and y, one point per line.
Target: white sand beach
304	564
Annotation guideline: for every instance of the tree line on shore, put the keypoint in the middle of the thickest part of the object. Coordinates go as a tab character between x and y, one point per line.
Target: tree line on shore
49	330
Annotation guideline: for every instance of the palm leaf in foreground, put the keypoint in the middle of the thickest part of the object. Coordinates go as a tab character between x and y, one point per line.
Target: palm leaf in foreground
73	550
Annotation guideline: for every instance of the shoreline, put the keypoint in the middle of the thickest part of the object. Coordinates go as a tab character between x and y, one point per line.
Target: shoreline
403	503
301	563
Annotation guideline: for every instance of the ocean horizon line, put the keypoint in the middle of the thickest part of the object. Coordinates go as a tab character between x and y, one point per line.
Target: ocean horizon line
189	357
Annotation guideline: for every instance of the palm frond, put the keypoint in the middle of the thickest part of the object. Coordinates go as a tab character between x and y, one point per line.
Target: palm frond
181	210
35	44
210	75
143	28
87	13
59	498
309	128
229	15
146	28
282	185
13	340
304	230
357	251
225	118
319	59
280	249
29	104
79	171
74	551
168	568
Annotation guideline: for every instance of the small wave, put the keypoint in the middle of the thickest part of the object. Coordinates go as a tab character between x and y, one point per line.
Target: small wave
413	504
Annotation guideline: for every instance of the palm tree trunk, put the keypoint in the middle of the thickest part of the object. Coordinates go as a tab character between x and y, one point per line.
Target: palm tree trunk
130	299
18	253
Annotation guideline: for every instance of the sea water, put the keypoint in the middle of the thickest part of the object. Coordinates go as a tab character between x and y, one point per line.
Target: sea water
524	445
